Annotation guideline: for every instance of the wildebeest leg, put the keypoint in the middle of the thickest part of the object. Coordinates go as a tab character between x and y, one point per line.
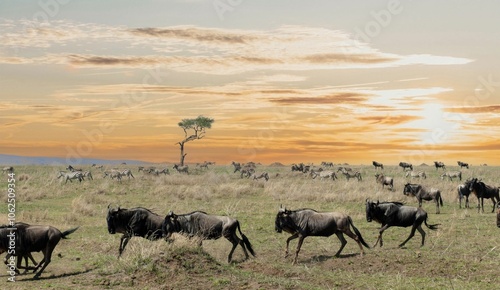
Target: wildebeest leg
47	254
437	204
419	228
292	237
123	244
342	241
385	227
299	245
412	233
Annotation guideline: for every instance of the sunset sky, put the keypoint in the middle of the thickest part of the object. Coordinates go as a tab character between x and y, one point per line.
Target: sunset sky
287	81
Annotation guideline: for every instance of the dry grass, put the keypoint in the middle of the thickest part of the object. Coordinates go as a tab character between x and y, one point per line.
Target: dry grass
463	253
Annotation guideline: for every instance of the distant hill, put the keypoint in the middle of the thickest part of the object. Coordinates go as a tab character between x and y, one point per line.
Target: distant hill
41	160
423	164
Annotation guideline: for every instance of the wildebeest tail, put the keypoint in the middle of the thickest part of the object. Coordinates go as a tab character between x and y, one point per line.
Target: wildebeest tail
246	241
432	227
356	231
68	232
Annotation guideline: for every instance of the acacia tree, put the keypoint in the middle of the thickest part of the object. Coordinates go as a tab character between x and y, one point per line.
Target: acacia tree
194	129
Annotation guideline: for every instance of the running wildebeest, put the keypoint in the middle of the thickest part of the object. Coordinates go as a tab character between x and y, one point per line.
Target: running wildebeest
482	191
203	226
7	238
439	164
36	238
463	191
413	174
384	180
422	193
303	223
405	165
134	222
378	165
395	214
451	175
463	164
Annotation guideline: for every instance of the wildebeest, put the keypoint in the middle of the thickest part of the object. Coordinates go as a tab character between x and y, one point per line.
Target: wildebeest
126	172
203	226
498	214
181	169
326	164
36	238
237	166
246	172
303	223
422	193
418	174
463	191
395	214
8	244
405	165
463	164
384	180
70	176
72	169
8	169
482	191
163	171
439	164
452	174
378	165
139	221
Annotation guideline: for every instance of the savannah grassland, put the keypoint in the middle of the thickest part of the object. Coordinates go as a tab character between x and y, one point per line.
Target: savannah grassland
463	254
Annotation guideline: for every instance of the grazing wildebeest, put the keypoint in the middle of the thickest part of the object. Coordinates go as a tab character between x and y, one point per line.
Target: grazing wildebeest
70	176
463	164
482	191
303	223
384	180
134	222
463	191
328	174
8	169
451	175
72	169
405	165
7	236
264	175
348	175
422	193
378	165
395	214
439	164
203	226
181	169
412	174
237	166
36	238
498	214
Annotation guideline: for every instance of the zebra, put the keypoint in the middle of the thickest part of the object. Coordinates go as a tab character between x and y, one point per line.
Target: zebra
164	171
8	169
181	169
70	176
113	174
413	174
349	175
264	175
324	174
87	174
451	175
127	172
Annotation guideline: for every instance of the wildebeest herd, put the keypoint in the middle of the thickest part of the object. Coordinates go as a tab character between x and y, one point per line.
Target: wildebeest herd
299	223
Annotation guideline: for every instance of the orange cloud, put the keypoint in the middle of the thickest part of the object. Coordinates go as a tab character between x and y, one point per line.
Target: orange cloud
336	98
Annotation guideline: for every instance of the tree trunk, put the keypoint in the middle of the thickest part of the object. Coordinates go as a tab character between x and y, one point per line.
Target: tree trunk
181	144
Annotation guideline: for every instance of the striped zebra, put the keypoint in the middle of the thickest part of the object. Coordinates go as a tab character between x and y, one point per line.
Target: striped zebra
70	176
451	175
113	174
418	174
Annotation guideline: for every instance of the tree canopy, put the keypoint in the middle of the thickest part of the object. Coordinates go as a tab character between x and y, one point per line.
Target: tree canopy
193	129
